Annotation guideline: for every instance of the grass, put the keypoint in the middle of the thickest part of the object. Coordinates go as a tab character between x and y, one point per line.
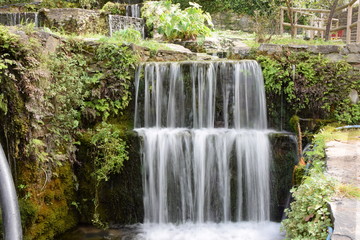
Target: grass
347	191
129	36
331	134
126	36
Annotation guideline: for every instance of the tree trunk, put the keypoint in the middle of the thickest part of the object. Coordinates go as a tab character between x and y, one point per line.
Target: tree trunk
331	15
291	17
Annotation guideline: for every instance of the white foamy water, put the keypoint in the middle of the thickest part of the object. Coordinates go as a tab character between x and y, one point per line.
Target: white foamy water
212	231
205	151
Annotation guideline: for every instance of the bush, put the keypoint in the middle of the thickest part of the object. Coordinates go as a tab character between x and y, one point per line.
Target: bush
312	86
127	36
114	8
309	215
176	24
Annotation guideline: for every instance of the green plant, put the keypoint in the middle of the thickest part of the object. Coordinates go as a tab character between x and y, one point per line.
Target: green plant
57	4
309	214
173	23
3	103
347	191
312	85
111	152
114	8
127	36
88	3
110	92
132	36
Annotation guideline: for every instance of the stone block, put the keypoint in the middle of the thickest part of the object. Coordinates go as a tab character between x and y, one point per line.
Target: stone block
74	20
334	57
271	48
353	47
324	49
353	58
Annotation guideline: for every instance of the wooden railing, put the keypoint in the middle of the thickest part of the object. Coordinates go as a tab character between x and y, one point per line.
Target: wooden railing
319	18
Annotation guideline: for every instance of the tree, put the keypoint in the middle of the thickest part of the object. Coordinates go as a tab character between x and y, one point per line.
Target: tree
291	17
328	24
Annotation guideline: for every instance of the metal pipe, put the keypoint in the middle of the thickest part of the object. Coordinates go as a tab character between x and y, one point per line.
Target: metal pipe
9	202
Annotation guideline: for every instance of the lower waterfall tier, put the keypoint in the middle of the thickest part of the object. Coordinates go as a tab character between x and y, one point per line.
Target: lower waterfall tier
202	175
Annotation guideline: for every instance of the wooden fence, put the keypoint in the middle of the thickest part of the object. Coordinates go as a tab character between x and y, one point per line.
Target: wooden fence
318	20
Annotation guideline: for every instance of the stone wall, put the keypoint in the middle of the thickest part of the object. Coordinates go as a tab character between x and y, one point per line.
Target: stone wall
74	20
349	52
232	21
117	22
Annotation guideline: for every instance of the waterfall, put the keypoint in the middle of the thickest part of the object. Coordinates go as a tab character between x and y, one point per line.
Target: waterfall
12	19
133	10
205	149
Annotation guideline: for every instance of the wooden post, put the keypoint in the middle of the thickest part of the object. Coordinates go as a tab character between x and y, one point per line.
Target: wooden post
312	31
348	23
322	19
358	26
281	21
295	22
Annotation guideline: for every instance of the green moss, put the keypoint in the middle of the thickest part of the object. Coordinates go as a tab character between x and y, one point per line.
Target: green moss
298	174
48	211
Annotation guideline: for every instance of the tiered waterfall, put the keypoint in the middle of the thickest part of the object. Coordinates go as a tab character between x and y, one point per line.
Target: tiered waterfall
205	147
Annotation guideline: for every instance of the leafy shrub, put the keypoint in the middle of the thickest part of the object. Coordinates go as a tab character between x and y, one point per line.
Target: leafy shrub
88	3
57	4
312	86
114	8
173	23
111	151
127	36
309	215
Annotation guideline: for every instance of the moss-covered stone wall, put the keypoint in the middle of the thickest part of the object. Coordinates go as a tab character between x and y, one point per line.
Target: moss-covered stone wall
51	94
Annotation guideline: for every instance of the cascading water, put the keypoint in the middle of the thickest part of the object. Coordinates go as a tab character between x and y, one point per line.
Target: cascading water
133	10
205	149
12	19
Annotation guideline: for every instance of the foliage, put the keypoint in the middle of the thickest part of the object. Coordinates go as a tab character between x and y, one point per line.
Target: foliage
127	36
309	215
112	151
3	104
208	6
132	36
114	8
46	100
168	19
66	94
57	4
110	88
3	2
312	85
238	6
88	3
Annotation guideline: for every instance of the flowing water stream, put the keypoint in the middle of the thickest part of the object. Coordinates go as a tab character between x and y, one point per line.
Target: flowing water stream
205	151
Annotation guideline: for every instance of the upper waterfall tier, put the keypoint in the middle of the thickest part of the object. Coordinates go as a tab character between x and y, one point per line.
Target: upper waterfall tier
226	94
